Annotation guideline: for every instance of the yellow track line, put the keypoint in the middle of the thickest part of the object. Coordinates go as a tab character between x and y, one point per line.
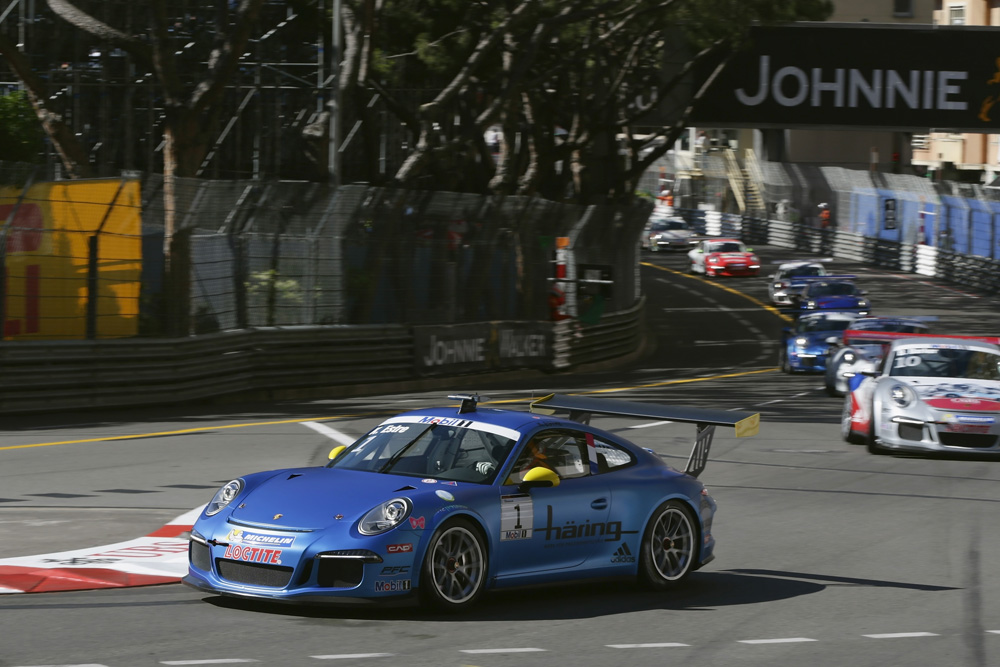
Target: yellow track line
202	429
763	305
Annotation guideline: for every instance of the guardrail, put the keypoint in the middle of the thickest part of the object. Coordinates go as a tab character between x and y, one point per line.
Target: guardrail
970	270
264	363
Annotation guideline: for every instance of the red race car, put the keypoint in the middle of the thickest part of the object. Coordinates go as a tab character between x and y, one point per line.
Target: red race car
723	257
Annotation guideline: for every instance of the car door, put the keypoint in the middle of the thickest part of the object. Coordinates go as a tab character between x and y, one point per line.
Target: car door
558	527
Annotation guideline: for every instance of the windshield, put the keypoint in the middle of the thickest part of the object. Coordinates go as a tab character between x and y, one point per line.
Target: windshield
946	362
824	324
832	289
889	325
442	451
676	225
805	271
726	247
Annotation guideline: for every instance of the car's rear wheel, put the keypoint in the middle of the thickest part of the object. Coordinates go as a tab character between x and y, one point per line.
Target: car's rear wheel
669	546
455	566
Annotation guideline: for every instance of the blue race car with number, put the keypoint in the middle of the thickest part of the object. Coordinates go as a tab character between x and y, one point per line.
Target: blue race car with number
831	293
806	345
447	503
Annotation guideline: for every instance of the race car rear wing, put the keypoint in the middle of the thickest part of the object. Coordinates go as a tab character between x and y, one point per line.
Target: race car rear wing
581	407
861	335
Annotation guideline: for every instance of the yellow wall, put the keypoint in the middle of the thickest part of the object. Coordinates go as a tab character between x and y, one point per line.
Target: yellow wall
46	260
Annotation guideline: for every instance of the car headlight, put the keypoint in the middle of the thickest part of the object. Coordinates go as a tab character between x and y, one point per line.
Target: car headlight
810	304
848	357
386	516
862	303
901	395
714	260
778	285
801	341
224	496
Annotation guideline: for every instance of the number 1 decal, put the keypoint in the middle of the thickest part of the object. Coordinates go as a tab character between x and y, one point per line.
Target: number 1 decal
517	514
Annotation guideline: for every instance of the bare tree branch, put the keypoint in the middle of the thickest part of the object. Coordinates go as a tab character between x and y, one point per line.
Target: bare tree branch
72	14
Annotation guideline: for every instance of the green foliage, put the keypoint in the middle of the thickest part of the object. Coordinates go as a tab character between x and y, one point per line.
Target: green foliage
21	136
286	289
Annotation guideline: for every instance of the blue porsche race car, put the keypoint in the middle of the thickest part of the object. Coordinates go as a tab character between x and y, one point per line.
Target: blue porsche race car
806	345
445	504
830	293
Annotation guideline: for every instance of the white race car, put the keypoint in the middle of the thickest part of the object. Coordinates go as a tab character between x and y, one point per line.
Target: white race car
669	234
784	281
931	394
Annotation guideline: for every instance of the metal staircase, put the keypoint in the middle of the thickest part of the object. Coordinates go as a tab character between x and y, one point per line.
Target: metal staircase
745	183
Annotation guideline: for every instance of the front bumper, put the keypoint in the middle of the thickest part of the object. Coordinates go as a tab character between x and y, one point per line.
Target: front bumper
953	433
732	270
313	567
804	360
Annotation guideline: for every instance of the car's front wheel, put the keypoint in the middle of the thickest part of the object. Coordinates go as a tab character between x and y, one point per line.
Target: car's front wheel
454	570
669	546
845	424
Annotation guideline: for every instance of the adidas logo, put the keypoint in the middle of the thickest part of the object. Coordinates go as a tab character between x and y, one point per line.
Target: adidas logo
623	554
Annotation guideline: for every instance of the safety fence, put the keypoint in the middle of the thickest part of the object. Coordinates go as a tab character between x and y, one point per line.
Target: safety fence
87	259
295	290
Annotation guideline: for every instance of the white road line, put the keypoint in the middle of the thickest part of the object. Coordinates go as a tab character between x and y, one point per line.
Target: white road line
785	640
352	656
994	632
218	661
503	650
901	635
660	645
331	433
777	400
89	664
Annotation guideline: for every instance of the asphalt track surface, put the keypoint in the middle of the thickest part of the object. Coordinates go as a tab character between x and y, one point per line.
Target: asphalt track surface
826	555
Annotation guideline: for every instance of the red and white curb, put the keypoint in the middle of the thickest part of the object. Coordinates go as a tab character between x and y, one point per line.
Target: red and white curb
157	558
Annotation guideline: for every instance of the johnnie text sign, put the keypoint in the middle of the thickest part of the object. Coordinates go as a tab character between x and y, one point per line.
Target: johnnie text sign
835	75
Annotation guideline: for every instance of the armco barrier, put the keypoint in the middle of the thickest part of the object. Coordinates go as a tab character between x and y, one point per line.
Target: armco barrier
68	375
615	335
970	270
305	361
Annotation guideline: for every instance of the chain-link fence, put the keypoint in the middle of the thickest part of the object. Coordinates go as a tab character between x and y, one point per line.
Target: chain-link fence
87	259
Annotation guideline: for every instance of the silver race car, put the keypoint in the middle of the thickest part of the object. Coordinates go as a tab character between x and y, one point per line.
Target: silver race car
930	394
787	279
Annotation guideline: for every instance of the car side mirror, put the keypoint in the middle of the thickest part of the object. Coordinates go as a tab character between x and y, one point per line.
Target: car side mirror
832	340
538	478
871	372
336	451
